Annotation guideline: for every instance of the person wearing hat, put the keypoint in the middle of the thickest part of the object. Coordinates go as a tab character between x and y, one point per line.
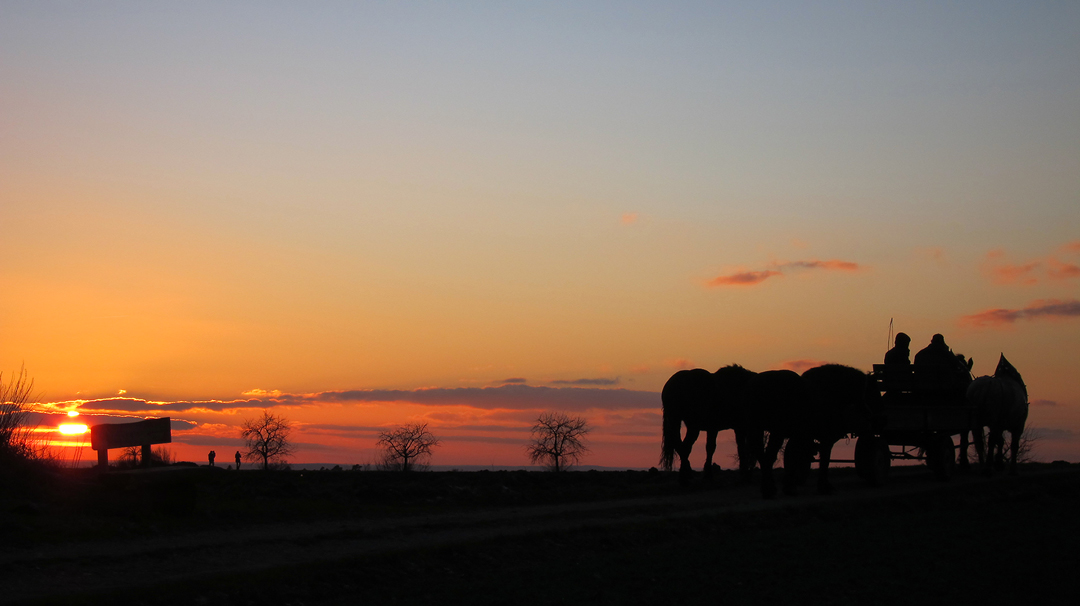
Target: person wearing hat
900	353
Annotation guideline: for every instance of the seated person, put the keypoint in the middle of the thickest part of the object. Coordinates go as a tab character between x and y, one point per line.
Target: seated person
937	353
943	372
900	353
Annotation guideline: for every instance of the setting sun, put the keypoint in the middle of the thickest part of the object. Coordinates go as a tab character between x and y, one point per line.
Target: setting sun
71	429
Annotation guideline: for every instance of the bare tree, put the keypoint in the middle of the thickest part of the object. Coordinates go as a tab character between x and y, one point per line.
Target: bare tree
131	457
558	440
267	438
407	445
16	400
1025	449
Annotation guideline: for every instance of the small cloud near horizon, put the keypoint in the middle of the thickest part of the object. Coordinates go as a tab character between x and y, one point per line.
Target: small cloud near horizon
261	393
1044	308
680	364
1043	403
801	365
514	380
754	277
600	381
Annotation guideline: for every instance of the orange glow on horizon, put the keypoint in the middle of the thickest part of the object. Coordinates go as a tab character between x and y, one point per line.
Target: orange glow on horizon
73	429
72	413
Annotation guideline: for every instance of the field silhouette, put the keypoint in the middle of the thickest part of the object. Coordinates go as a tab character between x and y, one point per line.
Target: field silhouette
495	537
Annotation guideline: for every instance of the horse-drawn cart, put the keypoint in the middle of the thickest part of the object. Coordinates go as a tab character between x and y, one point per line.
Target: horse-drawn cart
920	410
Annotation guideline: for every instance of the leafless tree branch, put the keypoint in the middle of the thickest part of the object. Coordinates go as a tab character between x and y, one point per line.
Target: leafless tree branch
407	445
267	438
558	440
16	399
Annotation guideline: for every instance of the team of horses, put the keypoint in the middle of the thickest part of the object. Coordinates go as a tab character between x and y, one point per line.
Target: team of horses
810	413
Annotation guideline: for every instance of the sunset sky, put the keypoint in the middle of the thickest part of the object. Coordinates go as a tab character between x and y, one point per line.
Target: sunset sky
365	214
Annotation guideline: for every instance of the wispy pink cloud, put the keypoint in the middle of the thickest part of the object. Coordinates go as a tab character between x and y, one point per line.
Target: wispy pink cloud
680	363
1014	274
1059	270
629	218
1043	308
1071	247
800	365
832	264
744	278
1031	272
751	278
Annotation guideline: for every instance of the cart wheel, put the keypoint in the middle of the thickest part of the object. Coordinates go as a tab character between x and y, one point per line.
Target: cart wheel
872	459
941	456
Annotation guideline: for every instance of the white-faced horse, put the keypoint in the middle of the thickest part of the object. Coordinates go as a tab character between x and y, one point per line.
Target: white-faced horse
1001	402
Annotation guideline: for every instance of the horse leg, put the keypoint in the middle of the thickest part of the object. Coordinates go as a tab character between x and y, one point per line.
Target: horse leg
685	470
1016	434
997	448
980	435
823	485
766	461
962	458
746	455
710	448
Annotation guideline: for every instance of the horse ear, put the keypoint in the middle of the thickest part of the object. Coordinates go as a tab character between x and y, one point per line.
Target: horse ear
970	363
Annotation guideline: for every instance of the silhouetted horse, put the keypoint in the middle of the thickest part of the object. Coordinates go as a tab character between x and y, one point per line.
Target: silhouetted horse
707	402
1001	402
840	400
777	409
965	382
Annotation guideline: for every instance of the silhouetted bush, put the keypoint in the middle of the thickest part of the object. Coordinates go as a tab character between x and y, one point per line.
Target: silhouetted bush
16	399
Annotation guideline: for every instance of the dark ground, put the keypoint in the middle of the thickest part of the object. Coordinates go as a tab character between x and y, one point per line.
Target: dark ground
535	538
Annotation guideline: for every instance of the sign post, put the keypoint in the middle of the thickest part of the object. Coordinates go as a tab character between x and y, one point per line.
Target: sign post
122	435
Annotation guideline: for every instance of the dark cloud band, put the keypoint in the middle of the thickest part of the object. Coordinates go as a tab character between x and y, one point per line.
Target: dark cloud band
510	396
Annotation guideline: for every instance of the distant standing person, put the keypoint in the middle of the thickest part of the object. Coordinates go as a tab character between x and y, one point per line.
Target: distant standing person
211	457
900	353
238	460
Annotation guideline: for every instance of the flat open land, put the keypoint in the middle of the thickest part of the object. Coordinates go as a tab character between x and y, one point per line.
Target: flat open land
209	536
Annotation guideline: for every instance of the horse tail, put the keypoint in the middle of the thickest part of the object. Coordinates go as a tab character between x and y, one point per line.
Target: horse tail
670	437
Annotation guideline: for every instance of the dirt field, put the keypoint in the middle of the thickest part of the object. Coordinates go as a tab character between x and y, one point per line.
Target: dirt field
534	538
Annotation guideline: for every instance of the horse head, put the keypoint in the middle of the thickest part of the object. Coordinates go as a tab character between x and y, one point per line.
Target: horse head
966	363
1006	370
